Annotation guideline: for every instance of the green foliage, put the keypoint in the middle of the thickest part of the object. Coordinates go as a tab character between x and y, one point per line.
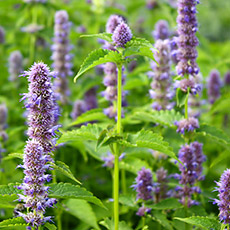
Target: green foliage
7	201
110	225
9	189
83	211
162	219
50	226
200	221
14	223
98	57
68	191
64	169
13	155
104	36
181	97
169	203
91	115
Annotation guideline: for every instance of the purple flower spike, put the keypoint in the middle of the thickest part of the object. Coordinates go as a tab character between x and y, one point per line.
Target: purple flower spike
15	65
41	109
62	58
79	107
187	41
223	202
113	22
2	35
143	210
192	158
188	125
161	30
214	85
121	35
161	90
227	78
144	184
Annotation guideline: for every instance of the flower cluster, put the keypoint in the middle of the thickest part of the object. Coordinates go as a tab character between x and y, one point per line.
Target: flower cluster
3	119
223	202
109	159
187	40
143	210
144	184
161	90
161	30
41	109
61	56
188	84
214	85
15	65
188	125
2	35
227	78
191	169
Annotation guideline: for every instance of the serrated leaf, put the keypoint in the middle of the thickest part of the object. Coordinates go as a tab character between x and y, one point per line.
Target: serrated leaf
128	200
181	97
219	158
13	155
65	170
109	224
162	219
98	57
14	223
139	50
89	132
50	226
200	221
169	203
136	41
148	139
7	201
163	117
83	211
214	134
9	189
104	36
91	115
68	191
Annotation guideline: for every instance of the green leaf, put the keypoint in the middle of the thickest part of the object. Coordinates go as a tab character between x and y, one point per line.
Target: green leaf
83	211
148	139
67	191
128	200
91	115
109	224
7	201
50	226
169	203
214	134
9	189
136	41
89	132
13	155
163	117
200	221
162	219
223	156
105	36
181	97
98	57
65	170
14	223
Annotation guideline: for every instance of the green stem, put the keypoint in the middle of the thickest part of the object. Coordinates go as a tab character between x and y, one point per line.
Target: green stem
116	150
123	181
186	106
54	176
59	224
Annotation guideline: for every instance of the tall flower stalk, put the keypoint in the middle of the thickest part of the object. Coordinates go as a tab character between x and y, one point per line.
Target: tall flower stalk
41	107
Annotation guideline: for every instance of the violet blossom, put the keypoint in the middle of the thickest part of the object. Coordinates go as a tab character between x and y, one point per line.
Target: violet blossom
227	78
37	154
61	55
161	30
187	125
15	65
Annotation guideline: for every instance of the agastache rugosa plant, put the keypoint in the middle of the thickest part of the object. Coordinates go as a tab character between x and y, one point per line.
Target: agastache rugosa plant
41	107
124	45
61	55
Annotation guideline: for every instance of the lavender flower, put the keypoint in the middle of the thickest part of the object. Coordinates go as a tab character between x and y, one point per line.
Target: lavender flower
174	49
161	30
188	125
227	78
15	65
90	98
161	187
187	41
223	202
61	56
109	159
3	124
161	86
37	155
143	210
192	158
112	23
188	84
121	35
214	85
79	107
2	35
144	184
